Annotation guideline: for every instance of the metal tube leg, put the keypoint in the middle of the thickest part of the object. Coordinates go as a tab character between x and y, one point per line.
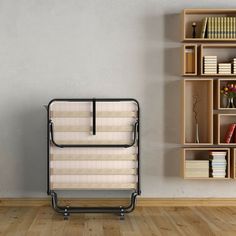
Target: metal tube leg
122	213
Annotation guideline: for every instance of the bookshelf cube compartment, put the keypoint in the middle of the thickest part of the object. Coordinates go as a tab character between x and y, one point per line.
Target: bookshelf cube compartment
202	154
203	89
233	163
223	123
222	100
197	15
225	53
190	59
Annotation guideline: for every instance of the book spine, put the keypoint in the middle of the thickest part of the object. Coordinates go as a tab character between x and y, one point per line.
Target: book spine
213	28
204	24
222	27
209	28
216	32
234	28
229	133
231	28
218	27
225	28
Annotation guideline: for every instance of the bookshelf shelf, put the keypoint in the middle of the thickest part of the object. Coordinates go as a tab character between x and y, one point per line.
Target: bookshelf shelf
197	15
199	155
223	122
207	70
222	101
233	164
202	89
189	60
224	53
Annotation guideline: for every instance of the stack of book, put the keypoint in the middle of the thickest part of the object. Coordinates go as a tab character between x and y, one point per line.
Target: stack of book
234	65
210	64
197	168
224	68
218	27
218	164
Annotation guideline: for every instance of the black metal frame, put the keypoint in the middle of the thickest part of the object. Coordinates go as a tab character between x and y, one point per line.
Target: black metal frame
66	210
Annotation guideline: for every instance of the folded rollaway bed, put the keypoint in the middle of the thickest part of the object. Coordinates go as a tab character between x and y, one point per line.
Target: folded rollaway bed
93	144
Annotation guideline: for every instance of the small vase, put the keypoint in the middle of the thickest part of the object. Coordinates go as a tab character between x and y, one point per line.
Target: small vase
230	103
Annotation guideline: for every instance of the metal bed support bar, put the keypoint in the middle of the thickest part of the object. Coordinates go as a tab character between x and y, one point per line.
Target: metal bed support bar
94	116
93	145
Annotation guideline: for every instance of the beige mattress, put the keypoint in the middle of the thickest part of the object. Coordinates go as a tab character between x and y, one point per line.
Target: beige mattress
93	167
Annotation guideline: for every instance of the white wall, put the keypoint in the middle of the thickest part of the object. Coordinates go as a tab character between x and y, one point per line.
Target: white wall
93	48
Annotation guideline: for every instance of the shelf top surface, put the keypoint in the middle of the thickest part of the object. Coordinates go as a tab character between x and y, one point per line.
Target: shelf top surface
206	148
207	40
209	11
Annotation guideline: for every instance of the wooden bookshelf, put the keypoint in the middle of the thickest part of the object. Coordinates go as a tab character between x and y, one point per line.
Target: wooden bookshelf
189	52
197	15
202	153
214	117
203	88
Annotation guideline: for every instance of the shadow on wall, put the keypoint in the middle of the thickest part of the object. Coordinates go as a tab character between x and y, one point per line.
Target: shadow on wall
33	149
151	118
171	102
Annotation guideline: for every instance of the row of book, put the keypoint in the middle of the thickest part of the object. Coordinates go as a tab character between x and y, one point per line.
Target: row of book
214	167
210	66
218	27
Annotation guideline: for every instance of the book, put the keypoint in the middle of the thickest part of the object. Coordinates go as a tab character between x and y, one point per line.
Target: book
233	28
229	133
215	153
221	27
209	28
224	73
210	73
204	26
216	27
212	27
225	64
227	27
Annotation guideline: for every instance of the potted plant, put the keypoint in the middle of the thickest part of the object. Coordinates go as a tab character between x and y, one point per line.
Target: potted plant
229	91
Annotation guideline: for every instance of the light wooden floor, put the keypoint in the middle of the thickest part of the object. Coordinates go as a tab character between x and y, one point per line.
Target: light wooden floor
143	221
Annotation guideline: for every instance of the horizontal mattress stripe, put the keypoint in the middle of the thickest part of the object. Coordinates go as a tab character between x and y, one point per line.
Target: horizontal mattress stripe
93	157
106	171
116	114
97	186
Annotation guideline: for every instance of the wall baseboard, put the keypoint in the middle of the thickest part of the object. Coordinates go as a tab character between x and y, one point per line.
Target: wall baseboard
141	202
